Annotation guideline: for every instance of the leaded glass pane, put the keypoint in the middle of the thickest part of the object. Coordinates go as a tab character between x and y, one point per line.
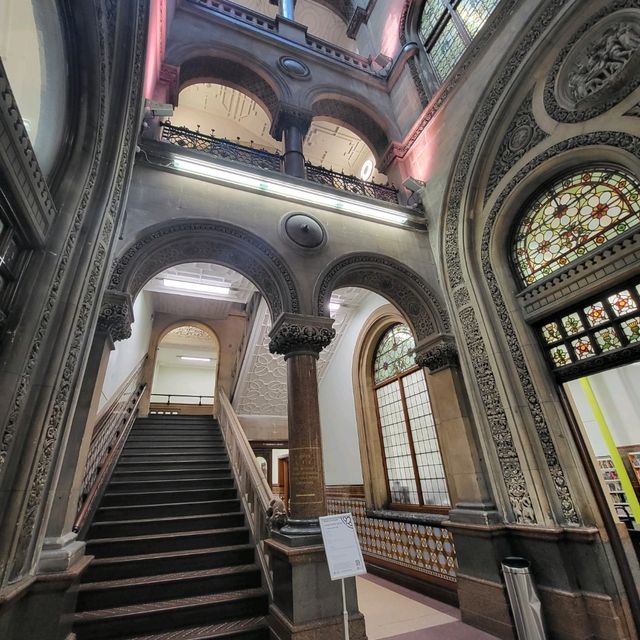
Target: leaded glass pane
394	353
607	339
572	324
474	13
432	12
402	481
622	303
447	50
631	329
425	440
596	314
560	356
575	216
583	347
551	332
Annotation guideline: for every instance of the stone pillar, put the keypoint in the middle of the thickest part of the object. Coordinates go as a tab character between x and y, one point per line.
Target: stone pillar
300	339
292	124
478	532
60	547
307	604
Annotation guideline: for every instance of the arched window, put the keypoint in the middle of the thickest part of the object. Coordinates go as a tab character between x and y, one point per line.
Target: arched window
447	27
572	217
412	461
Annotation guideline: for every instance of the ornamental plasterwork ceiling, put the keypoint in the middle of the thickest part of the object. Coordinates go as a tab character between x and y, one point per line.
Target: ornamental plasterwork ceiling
262	386
187	335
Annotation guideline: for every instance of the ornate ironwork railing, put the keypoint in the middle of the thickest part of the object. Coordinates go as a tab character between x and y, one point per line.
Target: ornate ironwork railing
261	159
220	148
107	440
320	175
253	487
180	398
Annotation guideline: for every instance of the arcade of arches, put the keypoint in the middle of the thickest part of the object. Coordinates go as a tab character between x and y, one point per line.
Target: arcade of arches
265	261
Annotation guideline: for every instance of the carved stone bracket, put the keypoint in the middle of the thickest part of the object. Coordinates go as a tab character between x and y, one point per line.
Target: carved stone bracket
437	353
289	116
294	334
169	79
116	315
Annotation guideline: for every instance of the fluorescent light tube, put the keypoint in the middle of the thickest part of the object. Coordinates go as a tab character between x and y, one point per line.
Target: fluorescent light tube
196	286
334	306
195	359
304	195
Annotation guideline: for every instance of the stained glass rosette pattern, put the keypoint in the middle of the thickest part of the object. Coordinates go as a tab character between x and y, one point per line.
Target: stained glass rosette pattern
573	217
394	354
599	327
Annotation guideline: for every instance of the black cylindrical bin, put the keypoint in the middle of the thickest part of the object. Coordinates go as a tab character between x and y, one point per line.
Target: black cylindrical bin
523	598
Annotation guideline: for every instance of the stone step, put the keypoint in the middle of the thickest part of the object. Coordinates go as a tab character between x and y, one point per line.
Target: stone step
148	617
196	463
124	498
244	629
148	564
170	474
178	484
166	510
116	593
157	543
155	526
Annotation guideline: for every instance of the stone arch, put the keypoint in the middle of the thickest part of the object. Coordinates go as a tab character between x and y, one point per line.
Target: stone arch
234	72
349	113
411	295
166	245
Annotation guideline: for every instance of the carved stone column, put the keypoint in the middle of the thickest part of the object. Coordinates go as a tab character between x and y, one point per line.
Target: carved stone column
307	604
61	547
292	124
300	339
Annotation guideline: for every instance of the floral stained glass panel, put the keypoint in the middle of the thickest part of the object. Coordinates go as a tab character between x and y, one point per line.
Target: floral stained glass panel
607	339
447	50
394	354
631	329
572	324
623	303
596	314
560	356
551	332
583	347
572	218
474	13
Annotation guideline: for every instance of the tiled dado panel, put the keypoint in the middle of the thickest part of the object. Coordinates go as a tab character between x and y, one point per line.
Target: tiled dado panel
423	548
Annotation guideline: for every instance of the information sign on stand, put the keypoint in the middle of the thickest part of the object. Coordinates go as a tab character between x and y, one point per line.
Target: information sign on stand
344	555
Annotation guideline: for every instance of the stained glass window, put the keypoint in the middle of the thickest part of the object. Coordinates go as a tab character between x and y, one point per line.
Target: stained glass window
573	217
604	325
413	463
447	27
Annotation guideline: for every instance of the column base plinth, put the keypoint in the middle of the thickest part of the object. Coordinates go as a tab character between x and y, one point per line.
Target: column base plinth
300	533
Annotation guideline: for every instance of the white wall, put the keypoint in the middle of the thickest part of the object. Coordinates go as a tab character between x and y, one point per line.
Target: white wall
340	443
617	392
189	380
128	353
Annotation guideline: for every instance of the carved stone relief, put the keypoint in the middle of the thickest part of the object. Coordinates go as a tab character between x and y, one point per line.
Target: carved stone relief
79	335
293	334
519	495
392	280
523	134
437	354
208	241
599	67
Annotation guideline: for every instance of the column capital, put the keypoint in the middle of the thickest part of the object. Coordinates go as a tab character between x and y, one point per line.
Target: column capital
288	115
438	352
116	315
293	334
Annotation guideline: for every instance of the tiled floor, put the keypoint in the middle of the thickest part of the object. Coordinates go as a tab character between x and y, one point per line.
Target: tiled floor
393	612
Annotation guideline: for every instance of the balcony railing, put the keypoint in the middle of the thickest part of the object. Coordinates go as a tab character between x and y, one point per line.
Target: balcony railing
261	159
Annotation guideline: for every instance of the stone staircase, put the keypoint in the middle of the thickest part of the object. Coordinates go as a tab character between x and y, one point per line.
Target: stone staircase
173	555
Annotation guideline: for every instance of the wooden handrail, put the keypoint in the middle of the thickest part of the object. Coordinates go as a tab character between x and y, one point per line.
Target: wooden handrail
107	464
254	489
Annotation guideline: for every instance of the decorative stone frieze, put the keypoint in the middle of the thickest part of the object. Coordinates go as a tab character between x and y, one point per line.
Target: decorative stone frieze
438	353
522	135
599	66
290	116
293	334
116	315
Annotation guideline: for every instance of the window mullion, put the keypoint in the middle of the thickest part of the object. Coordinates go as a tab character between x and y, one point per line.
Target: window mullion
412	448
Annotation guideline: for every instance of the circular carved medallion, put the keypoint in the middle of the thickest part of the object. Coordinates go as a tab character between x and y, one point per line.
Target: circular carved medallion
294	68
598	68
303	230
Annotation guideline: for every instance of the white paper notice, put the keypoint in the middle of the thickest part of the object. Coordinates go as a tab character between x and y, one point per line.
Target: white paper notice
342	546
